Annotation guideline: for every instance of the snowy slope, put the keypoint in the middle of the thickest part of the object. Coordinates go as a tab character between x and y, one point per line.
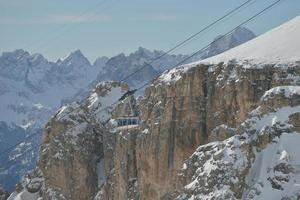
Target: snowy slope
280	45
283	181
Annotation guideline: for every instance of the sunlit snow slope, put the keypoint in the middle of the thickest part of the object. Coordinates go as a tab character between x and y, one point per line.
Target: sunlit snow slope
279	45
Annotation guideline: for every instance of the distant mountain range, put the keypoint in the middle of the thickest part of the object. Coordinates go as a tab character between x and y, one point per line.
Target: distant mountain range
33	88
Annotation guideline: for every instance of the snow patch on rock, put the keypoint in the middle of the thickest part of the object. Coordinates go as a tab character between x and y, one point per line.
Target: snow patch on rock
287	91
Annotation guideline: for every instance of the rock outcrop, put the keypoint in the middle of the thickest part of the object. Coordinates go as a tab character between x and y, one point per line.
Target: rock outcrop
259	162
72	156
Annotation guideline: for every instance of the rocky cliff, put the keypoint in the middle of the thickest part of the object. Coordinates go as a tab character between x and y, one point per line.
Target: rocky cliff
70	164
260	161
193	111
177	117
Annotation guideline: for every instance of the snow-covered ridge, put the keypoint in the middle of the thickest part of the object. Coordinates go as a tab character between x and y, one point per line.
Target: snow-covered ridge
280	45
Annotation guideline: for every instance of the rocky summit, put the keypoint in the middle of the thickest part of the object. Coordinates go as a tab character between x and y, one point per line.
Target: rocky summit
223	128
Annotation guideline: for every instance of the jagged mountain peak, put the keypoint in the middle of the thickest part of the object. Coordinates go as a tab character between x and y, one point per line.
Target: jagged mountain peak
38	58
120	55
16	65
142	50
76	53
75	57
18	54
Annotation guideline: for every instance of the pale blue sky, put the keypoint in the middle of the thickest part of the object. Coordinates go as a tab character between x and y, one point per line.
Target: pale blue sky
108	27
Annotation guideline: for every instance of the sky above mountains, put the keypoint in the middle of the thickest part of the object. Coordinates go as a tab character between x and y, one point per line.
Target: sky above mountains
108	27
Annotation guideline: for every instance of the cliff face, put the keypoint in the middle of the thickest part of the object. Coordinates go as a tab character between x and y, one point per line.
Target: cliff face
72	150
71	160
69	157
120	155
183	110
260	161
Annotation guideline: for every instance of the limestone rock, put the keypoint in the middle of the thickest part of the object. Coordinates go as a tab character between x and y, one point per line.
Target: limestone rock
254	164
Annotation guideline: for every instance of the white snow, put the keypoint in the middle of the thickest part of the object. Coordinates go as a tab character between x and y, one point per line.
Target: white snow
103	104
286	146
24	195
173	74
65	111
28	125
280	115
280	45
61	111
145	131
287	91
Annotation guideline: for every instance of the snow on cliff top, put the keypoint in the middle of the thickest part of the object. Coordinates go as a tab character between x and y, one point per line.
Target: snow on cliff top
280	45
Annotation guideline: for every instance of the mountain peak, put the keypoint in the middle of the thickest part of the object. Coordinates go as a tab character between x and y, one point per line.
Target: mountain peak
17	54
242	29
142	49
74	57
241	34
38	58
145	50
77	52
19	51
224	42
